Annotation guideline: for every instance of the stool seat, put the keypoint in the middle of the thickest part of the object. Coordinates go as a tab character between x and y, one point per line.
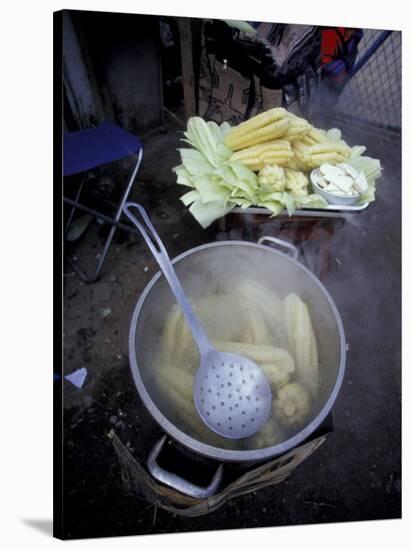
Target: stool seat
93	147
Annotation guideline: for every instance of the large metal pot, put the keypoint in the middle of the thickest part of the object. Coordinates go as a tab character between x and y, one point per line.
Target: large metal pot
206	267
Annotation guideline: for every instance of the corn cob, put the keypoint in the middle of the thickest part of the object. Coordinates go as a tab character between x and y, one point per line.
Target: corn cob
297	127
184	345
313	155
272	125
299	146
259	329
179	394
170	331
258	150
317	135
296	182
272	131
255	295
307	140
299	161
292	404
313	161
302	342
258	165
273	152
331	147
259	354
267	436
294	164
254	123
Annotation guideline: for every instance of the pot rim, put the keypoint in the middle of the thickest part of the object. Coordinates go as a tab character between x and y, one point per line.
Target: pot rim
217	453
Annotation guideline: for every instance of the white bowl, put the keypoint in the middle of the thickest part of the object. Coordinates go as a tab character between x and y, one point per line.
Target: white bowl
330	197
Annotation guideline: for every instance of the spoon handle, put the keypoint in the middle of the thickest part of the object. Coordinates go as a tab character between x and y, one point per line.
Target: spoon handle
160	254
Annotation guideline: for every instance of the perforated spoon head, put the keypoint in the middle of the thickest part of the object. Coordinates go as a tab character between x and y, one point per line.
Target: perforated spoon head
232	394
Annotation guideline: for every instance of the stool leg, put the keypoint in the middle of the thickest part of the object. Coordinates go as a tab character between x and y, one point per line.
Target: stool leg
69	221
118	215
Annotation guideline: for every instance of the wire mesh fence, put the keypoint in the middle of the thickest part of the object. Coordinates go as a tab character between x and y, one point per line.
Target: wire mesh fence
373	96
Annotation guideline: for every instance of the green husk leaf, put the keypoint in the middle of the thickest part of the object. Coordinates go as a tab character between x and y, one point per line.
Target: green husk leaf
281	197
227	175
334	134
275	207
190	197
243	173
183	176
356	152
373	170
194	162
224	128
210	190
205	214
310	201
370	167
243	203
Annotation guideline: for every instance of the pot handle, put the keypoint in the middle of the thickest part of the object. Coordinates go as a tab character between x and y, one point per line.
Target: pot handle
178	483
292	248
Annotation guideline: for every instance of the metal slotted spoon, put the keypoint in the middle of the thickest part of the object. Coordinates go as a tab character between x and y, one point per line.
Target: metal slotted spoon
231	393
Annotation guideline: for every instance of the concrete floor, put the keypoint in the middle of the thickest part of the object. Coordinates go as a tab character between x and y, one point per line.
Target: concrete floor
355	475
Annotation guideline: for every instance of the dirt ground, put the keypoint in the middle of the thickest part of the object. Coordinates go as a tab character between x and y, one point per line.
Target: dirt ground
355	475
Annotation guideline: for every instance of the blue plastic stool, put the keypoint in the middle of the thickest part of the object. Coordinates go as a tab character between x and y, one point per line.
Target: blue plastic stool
88	149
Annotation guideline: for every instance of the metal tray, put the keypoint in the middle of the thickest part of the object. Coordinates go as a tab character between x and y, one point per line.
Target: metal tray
330	211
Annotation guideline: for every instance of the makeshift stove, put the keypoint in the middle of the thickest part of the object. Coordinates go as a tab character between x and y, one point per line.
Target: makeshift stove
234	480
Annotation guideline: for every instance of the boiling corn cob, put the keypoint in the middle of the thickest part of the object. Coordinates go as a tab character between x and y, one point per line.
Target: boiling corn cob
267	436
263	127
292	404
302	342
259	354
170	331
